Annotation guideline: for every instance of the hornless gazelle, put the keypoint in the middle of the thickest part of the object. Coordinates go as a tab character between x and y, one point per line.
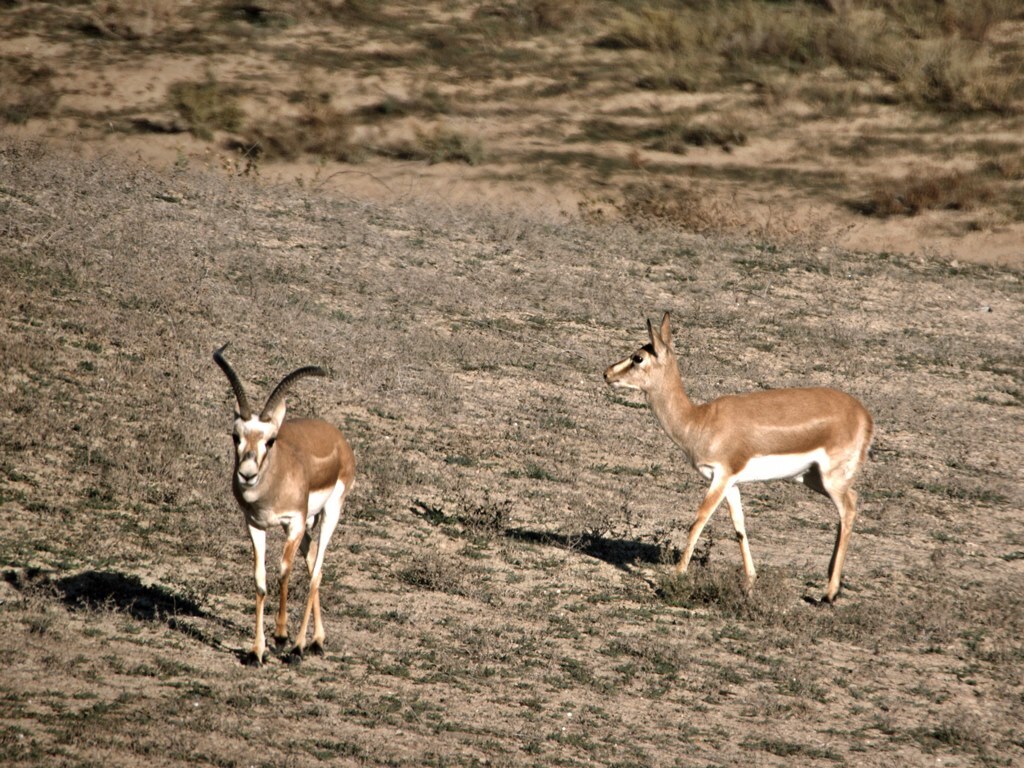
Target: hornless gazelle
288	473
817	436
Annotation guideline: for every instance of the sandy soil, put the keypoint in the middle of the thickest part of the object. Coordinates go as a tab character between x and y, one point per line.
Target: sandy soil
499	591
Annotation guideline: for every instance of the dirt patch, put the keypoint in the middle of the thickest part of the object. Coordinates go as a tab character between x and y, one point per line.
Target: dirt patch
499	589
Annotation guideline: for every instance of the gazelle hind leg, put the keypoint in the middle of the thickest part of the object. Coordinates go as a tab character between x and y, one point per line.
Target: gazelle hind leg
331	514
845	499
309	553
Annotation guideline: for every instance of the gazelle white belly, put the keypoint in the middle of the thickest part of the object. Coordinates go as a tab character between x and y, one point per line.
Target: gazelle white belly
319	499
785	466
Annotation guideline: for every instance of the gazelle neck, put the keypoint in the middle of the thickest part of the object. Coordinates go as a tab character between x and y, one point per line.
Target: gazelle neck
672	407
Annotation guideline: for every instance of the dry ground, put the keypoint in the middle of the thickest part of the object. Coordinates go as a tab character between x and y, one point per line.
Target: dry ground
466	211
886	125
497	593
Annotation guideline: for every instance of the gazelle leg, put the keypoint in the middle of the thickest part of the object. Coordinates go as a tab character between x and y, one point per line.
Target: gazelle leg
291	546
259	549
331	515
846	502
712	499
732	497
308	550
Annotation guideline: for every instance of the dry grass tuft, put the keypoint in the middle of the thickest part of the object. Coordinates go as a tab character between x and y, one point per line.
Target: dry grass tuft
668	202
663	31
936	54
129	19
437	145
721	588
206	106
319	129
26	90
954	75
917	192
532	16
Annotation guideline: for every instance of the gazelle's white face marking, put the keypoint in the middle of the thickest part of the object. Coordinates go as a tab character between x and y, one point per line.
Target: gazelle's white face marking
253	440
631	373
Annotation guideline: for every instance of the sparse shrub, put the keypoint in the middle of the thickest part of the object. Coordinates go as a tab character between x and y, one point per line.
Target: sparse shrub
861	40
319	129
669	134
486	518
973	19
918	192
955	75
129	19
286	14
438	146
672	72
25	91
384	471
206	106
934	53
722	589
435	572
1009	167
670	203
532	16
758	33
672	134
652	29
961	733
429	102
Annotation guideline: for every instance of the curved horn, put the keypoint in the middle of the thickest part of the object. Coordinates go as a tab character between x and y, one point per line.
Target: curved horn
287	381
243	402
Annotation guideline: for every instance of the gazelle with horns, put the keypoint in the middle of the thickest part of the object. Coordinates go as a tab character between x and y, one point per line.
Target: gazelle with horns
817	436
288	473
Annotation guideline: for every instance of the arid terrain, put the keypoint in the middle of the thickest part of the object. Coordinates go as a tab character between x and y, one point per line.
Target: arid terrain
881	125
483	223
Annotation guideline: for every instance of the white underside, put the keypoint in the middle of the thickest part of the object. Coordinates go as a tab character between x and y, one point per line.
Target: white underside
320	499
789	466
329	498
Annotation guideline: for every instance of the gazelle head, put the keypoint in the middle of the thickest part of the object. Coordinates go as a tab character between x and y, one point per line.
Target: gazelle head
645	368
254	435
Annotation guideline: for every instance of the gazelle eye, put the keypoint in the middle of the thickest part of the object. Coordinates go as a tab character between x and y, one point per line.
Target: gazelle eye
237	439
638	359
270	443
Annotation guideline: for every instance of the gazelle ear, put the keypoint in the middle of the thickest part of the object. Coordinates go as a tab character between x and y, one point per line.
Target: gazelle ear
277	415
656	340
666	332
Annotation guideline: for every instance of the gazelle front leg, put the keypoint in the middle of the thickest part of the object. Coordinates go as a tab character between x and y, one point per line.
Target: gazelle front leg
294	531
732	497
259	550
717	491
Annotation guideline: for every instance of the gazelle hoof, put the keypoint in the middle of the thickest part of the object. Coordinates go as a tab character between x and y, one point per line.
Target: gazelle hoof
317	648
254	659
280	642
